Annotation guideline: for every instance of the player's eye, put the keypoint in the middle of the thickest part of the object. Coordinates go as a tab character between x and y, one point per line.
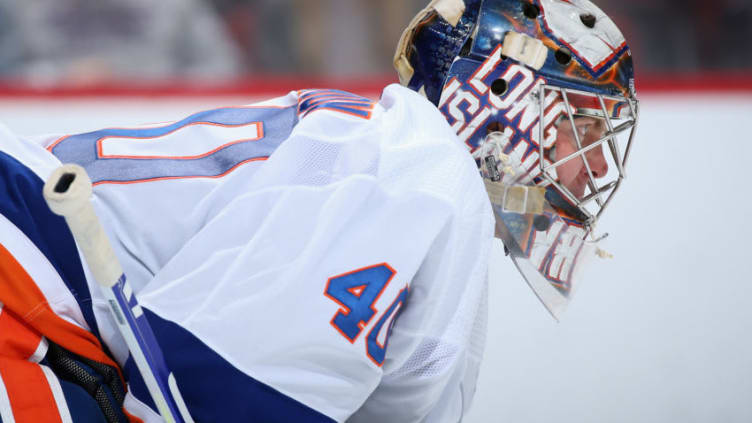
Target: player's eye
583	128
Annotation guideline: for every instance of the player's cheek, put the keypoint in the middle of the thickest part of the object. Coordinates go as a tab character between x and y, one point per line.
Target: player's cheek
565	145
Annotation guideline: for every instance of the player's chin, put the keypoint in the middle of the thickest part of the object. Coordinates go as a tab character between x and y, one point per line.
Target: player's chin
580	194
574	186
580	183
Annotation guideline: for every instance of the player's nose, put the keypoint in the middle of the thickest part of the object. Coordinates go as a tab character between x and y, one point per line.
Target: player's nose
597	162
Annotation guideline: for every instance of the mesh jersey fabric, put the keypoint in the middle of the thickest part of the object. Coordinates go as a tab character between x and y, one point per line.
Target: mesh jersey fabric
243	259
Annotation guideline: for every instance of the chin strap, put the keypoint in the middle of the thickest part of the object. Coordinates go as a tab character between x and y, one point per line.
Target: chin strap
603	254
520	199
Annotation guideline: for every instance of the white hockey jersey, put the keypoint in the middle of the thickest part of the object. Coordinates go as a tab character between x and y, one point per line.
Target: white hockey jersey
316	257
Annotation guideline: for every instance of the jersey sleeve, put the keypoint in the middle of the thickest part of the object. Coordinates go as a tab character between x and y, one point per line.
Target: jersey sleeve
318	258
436	344
297	280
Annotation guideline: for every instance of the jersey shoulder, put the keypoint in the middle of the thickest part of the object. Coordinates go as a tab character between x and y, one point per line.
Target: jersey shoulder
401	141
424	149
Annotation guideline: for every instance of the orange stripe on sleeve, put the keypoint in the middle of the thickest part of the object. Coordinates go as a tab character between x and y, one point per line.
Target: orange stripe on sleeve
22	297
28	391
17	340
20	294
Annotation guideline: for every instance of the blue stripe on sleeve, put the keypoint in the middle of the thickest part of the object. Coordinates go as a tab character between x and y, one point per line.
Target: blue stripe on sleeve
213	389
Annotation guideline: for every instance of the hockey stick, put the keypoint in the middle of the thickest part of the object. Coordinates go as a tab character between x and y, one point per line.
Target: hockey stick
68	192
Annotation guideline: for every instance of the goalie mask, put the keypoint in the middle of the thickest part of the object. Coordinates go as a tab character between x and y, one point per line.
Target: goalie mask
542	93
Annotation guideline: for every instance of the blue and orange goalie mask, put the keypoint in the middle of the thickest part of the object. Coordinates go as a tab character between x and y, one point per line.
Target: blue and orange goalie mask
542	92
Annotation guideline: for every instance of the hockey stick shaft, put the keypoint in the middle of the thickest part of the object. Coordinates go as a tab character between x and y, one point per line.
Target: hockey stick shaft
68	192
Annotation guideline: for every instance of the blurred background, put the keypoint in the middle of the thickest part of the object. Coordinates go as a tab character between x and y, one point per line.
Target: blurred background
77	42
658	334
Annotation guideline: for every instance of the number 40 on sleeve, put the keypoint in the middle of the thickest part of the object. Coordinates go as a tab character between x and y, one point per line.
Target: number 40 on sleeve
356	293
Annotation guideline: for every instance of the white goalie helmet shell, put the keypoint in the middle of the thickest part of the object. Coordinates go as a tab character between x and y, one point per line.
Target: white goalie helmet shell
542	92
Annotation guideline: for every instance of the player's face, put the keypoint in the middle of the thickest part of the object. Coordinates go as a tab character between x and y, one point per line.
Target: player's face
573	174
